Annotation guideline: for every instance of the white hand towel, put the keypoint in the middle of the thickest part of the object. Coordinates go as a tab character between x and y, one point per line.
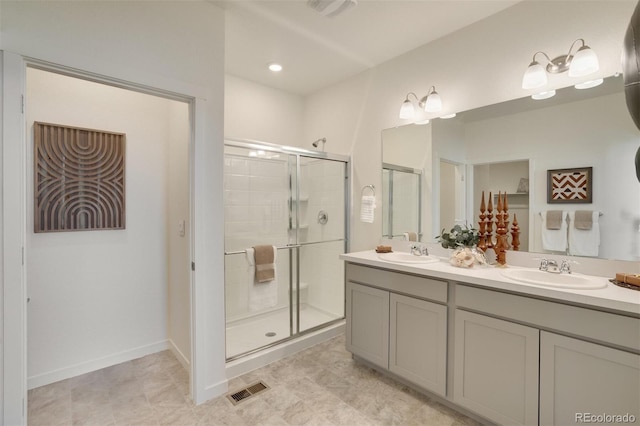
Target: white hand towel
261	295
554	239
584	242
367	208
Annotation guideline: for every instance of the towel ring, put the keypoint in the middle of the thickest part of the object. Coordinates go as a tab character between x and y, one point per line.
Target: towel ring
371	187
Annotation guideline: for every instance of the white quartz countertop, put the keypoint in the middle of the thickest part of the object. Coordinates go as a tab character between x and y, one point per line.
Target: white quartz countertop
610	297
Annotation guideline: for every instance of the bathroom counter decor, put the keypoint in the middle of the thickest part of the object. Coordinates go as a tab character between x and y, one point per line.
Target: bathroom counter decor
463	241
610	297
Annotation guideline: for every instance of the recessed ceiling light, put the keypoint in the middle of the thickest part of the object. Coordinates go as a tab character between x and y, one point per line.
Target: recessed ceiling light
453	114
331	8
275	67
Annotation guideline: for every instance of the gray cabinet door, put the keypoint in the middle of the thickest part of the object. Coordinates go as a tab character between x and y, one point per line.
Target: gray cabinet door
418	342
368	323
496	368
580	379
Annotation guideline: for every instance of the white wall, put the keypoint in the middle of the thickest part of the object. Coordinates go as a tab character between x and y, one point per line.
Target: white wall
178	258
257	112
479	65
171	45
98	297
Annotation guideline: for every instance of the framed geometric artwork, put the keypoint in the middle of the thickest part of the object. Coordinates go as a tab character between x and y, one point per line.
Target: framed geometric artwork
570	185
79	179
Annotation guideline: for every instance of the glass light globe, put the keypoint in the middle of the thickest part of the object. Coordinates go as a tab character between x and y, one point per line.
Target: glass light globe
534	77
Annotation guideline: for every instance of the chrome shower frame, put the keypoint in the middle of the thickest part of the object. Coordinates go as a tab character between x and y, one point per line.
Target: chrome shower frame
298	153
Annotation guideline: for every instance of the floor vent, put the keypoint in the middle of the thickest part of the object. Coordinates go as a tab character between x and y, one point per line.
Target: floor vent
246	393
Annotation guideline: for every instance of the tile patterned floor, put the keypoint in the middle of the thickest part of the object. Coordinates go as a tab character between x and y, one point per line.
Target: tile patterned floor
319	386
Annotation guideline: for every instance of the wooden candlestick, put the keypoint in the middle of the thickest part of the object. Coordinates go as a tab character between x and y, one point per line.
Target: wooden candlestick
489	228
501	243
515	234
505	214
482	242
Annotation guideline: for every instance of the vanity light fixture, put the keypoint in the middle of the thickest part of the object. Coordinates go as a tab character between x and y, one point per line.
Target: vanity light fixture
544	95
579	64
589	84
431	102
446	116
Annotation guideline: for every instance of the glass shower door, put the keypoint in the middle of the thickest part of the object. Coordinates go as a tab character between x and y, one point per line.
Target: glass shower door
257	189
321	220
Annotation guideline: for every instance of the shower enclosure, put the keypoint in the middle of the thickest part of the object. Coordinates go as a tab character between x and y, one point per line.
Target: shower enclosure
296	201
401	201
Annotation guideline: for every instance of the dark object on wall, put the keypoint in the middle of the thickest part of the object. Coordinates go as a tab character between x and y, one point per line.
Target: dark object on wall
631	70
570	185
78	179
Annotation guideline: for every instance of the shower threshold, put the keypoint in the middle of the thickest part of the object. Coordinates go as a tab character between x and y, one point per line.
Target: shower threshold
248	334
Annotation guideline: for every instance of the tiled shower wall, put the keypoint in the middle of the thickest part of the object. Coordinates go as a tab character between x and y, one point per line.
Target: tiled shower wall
256	212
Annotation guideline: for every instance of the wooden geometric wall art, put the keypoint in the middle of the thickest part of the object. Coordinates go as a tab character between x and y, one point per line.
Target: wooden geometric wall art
78	179
570	185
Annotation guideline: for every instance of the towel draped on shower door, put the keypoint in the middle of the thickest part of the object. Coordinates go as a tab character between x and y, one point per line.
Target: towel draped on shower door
263	283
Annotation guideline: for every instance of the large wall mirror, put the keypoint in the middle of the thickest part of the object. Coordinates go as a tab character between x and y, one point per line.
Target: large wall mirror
495	147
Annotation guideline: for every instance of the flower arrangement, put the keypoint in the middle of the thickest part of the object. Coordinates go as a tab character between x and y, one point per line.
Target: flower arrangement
464	242
459	237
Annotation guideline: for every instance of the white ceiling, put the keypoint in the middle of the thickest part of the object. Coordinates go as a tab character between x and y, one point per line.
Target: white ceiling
317	51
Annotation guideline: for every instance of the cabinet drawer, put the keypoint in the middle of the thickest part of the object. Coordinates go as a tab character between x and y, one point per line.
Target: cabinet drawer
412	285
606	327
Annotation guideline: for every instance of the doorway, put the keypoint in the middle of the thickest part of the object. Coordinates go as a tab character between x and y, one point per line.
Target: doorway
452	194
100	297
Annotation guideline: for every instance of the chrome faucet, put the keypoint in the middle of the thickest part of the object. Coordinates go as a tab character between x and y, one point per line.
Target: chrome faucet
418	249
550	265
544	264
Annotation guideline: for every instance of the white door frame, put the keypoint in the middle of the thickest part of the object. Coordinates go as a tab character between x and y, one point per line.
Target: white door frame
13	236
13	232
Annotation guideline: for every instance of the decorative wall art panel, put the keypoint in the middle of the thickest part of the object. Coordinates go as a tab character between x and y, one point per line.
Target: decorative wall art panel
570	185
78	179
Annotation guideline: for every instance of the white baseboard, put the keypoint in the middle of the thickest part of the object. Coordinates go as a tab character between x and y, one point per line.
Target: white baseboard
96	364
212	391
186	363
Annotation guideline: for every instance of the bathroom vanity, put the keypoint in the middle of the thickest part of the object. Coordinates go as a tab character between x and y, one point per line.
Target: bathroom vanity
508	352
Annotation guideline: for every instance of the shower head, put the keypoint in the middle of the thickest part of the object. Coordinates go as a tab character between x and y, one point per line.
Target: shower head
323	140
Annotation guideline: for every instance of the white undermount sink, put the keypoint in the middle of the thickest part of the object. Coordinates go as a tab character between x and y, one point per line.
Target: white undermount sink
550	279
401	257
